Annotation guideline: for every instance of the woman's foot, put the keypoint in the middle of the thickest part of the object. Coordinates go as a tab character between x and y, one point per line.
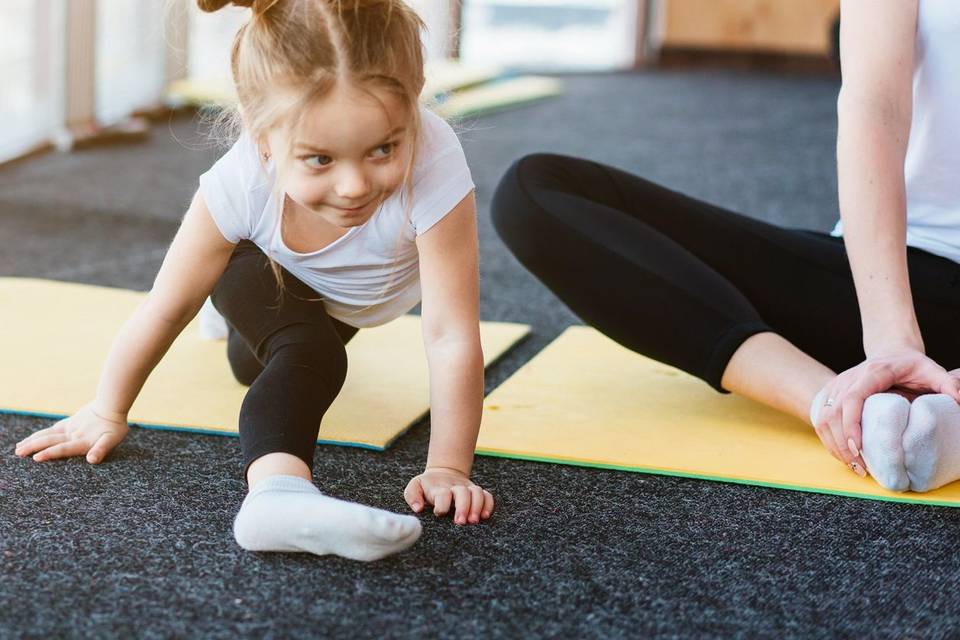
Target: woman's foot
288	513
931	442
884	421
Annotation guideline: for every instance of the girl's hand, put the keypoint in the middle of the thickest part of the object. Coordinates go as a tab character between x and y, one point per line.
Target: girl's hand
85	432
907	371
443	488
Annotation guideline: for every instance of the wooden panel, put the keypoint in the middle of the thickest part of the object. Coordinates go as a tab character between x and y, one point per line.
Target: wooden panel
788	26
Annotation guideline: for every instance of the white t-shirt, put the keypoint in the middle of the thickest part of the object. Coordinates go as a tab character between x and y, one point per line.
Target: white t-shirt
371	274
932	165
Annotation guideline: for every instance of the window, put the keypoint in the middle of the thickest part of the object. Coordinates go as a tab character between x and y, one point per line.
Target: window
130	57
550	34
31	69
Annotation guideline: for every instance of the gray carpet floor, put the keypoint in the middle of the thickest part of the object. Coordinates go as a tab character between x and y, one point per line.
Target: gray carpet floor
141	545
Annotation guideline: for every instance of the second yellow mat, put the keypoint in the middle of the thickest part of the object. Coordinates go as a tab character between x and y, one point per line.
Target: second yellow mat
585	400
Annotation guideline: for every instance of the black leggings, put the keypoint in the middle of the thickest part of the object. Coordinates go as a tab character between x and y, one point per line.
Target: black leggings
686	282
287	349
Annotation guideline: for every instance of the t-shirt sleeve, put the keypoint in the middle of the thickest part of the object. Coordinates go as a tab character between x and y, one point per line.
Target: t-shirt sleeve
226	188
443	179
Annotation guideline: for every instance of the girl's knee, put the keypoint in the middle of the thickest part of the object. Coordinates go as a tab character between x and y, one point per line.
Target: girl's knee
315	346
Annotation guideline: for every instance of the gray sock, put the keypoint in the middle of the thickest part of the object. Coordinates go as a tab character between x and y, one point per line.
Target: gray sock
287	513
931	443
884	420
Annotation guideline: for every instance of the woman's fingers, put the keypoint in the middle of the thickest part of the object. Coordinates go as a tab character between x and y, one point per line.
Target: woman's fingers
33	444
950	385
826	437
850	434
62	450
461	498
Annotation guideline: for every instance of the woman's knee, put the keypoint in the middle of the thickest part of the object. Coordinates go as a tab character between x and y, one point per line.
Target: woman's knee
513	207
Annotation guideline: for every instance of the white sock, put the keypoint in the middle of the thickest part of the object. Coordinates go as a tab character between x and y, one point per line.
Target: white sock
883	422
210	323
931	443
287	513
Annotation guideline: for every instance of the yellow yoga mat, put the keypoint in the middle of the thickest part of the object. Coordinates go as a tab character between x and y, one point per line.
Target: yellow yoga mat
56	336
585	400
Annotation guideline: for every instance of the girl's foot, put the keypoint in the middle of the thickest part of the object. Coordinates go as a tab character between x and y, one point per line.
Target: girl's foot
288	513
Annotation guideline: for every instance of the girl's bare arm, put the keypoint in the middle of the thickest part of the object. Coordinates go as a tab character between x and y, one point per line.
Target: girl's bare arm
191	268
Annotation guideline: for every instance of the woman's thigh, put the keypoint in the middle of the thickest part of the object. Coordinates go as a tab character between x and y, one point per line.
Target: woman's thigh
798	282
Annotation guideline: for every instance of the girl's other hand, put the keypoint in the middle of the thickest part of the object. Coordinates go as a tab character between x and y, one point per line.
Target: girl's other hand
907	372
445	488
84	433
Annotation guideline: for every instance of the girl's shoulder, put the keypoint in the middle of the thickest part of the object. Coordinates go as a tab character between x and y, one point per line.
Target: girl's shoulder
236	188
437	137
441	177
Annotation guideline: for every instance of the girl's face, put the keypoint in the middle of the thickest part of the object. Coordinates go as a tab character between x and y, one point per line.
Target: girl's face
349	156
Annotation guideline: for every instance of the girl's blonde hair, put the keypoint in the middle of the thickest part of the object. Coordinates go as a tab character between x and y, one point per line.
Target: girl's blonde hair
291	53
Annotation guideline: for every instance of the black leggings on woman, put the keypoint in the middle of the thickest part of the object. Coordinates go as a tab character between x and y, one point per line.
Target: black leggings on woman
685	282
287	349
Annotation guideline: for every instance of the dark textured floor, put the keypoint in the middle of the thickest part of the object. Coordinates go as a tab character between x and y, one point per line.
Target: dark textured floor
141	545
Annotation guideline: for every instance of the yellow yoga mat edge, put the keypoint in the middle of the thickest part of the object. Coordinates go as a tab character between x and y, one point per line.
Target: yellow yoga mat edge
376	432
490	453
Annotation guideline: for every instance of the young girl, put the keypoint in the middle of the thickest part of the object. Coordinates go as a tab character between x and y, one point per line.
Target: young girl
773	313
341	204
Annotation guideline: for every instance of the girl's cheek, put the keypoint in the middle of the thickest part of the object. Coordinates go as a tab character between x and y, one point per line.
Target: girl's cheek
391	178
306	190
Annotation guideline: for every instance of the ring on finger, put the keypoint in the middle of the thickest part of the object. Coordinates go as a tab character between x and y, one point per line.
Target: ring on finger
828	402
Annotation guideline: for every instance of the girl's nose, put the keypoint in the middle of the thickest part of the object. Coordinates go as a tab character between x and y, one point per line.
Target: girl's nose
352	185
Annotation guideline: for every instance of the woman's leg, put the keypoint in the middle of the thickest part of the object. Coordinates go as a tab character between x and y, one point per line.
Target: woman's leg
749	307
297	369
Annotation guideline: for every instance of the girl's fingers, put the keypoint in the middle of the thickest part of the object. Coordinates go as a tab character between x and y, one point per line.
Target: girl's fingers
102	447
476	504
32	445
57	428
413	494
461	498
62	450
487	505
441	502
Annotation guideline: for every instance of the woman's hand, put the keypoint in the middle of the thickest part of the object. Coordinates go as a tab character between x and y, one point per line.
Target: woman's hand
905	371
84	433
443	488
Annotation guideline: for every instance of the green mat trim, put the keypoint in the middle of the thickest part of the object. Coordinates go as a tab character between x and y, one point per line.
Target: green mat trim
684	474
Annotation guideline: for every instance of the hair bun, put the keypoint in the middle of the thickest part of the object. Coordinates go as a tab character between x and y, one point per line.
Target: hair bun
215	5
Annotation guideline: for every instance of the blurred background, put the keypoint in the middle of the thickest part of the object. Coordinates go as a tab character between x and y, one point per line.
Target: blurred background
72	70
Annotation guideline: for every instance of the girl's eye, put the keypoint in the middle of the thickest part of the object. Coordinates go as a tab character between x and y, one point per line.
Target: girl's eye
322	161
384	150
